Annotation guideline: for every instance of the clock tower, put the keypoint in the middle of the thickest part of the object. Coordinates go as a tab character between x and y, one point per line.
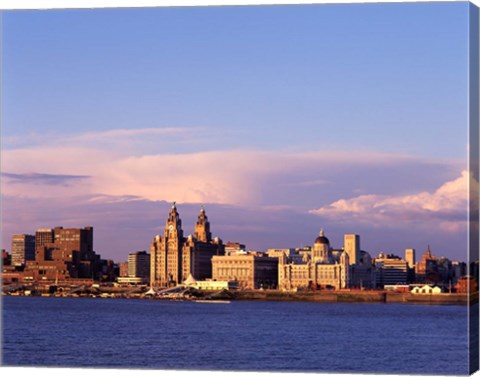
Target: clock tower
173	246
173	258
166	253
173	227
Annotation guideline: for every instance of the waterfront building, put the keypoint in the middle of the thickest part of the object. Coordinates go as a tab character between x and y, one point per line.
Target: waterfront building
139	265
233	247
405	288
314	267
6	258
390	270
458	270
426	289
321	266
174	257
131	280
69	256
109	270
277	253
249	270
466	284
123	269
42	237
410	257
210	284
23	249
362	271
351	245
426	268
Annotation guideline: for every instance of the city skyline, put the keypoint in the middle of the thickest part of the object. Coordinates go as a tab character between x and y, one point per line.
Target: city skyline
278	119
187	233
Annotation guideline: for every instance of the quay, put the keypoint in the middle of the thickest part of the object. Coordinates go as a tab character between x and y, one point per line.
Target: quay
188	293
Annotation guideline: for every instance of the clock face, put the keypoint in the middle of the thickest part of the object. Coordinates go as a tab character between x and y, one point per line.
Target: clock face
170	227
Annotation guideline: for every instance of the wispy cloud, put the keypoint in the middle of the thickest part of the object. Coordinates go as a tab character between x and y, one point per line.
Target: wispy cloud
42	179
445	207
313	182
121	139
115	134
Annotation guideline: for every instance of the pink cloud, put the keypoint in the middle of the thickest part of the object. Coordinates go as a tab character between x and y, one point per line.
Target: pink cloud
446	207
239	177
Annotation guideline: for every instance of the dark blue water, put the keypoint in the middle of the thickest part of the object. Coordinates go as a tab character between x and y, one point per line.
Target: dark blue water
274	336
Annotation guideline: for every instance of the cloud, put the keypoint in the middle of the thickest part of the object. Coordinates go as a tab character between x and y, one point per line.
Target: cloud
239	177
445	207
45	179
257	197
246	177
129	133
313	182
123	140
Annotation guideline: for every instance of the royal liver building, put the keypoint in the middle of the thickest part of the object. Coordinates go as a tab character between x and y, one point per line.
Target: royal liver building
174	257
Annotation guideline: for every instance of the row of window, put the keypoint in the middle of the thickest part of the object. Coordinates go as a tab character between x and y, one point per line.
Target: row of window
229	272
322	274
237	262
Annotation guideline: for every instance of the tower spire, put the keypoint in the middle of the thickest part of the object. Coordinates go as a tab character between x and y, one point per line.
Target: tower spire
429	253
202	227
174	223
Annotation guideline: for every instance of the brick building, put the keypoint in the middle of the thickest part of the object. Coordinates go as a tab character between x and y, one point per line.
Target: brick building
69	256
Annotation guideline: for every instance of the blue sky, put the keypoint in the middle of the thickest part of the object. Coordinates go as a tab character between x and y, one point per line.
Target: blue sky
292	108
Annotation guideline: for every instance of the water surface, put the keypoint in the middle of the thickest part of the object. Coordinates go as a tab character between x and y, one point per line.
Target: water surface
243	335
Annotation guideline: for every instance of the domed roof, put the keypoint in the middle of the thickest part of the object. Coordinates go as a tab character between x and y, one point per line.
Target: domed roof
321	238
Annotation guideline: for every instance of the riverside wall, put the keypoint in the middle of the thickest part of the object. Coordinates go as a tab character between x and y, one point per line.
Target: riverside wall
359	297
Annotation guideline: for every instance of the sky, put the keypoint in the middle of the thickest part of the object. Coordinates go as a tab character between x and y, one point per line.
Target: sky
280	120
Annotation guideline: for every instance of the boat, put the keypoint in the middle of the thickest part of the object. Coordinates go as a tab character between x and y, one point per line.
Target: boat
213	301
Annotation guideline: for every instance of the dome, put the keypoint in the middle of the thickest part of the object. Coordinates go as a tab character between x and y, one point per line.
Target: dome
322	239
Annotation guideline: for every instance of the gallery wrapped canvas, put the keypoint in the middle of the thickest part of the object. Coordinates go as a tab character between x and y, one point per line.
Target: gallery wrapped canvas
281	188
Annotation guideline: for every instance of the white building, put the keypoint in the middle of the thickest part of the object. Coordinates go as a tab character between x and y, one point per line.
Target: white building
426	290
313	267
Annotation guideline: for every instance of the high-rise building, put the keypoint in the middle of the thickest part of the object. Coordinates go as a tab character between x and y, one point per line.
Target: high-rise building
70	255
23	249
42	237
362	270
391	270
166	252
173	257
139	265
410	257
351	245
426	268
